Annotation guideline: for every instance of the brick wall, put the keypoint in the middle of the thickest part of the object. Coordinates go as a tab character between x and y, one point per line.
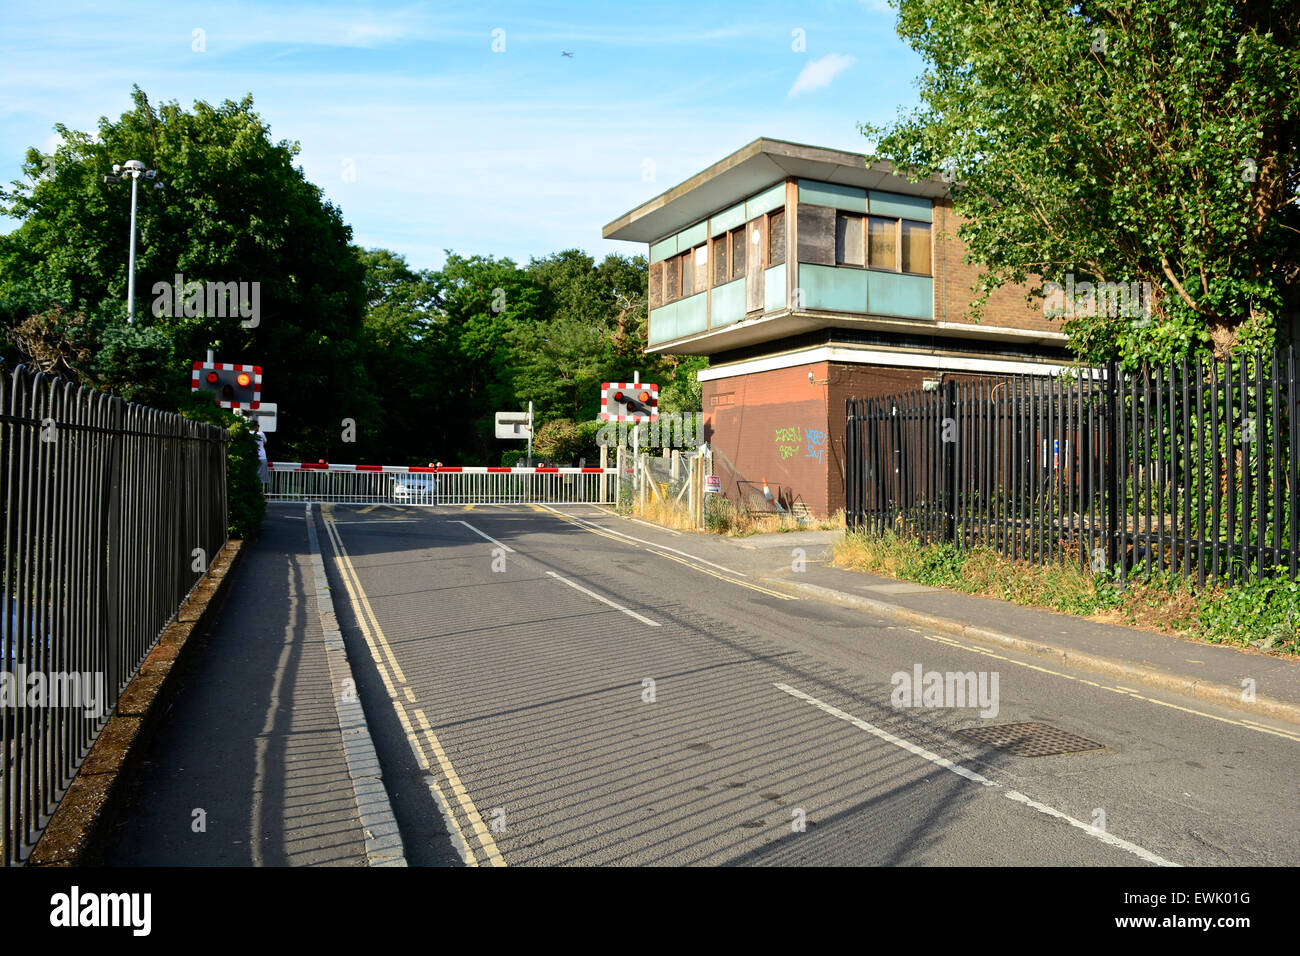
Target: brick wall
773	426
954	283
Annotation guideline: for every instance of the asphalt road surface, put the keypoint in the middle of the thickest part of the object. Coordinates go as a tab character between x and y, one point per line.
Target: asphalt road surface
578	689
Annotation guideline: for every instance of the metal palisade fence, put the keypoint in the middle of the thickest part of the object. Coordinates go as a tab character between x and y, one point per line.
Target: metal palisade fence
1189	466
110	514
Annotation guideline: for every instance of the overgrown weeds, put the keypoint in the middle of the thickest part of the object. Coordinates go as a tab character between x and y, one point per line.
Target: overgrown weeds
1263	613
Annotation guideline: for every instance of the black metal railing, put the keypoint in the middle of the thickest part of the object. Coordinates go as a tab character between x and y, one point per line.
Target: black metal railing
1189	467
110	513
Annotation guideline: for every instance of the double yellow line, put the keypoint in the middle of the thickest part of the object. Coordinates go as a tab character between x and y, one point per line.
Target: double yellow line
394	680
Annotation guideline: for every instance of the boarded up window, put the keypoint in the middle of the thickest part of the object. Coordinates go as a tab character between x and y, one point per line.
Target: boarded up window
882	240
671	270
916	247
688	275
701	267
776	238
848	240
737	252
656	285
816	234
720	274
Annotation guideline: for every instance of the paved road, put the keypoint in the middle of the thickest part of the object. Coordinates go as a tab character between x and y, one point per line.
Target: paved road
550	688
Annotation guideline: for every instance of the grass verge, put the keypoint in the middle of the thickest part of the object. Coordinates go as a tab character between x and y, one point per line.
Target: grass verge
724	518
1264	614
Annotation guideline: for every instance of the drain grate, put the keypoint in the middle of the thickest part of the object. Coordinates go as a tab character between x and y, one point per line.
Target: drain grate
1030	739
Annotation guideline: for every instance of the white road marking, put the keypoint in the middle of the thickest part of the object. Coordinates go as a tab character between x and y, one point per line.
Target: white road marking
656	527
505	547
661	547
373	521
604	600
376	641
974	777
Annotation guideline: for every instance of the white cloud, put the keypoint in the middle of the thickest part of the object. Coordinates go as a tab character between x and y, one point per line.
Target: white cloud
820	73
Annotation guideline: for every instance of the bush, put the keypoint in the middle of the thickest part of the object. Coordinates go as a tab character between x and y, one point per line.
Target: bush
1263	612
245	503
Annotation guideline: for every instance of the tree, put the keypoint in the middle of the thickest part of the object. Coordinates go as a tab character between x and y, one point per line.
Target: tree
234	210
1117	142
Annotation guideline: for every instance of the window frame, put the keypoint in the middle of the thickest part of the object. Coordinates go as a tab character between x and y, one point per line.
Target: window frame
862	227
767	239
929	231
739	236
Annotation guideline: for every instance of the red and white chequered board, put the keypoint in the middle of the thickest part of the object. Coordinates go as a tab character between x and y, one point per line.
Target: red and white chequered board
631	390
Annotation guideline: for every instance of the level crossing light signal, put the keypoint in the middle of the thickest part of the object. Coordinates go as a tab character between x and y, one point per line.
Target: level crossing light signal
629	402
236	386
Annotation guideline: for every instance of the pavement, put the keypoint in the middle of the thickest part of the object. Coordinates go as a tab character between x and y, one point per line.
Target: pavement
249	767
1243	678
562	686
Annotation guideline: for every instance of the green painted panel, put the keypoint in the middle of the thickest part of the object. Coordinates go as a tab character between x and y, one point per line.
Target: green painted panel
692	315
827	287
890	293
727	303
689	238
774	288
728	219
766	201
830	194
903	207
663	323
663	249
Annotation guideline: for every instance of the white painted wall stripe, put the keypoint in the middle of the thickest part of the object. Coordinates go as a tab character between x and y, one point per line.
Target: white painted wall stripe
926	360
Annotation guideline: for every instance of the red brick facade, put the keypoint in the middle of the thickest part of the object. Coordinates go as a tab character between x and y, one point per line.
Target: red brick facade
779	427
954	283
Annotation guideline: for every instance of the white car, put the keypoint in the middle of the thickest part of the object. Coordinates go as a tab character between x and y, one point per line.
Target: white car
415	488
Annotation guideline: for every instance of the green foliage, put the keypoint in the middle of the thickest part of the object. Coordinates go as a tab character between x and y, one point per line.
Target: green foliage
418	360
234	208
1118	143
1261	612
1264	612
245	503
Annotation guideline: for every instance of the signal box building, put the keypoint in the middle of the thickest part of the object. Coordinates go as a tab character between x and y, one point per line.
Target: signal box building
808	276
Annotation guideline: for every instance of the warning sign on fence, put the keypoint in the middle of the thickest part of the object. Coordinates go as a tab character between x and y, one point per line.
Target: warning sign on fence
712	484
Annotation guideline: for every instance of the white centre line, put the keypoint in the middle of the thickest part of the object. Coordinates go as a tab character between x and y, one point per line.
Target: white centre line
505	547
974	777
604	600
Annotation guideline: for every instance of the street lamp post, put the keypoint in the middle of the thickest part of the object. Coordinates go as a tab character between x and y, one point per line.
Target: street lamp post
133	169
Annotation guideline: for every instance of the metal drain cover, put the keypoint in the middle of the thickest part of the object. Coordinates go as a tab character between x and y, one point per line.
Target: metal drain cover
1030	739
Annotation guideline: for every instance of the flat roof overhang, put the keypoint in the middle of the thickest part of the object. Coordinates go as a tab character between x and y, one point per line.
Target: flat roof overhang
750	170
784	324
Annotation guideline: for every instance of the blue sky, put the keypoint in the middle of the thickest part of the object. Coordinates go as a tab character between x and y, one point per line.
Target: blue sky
429	139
